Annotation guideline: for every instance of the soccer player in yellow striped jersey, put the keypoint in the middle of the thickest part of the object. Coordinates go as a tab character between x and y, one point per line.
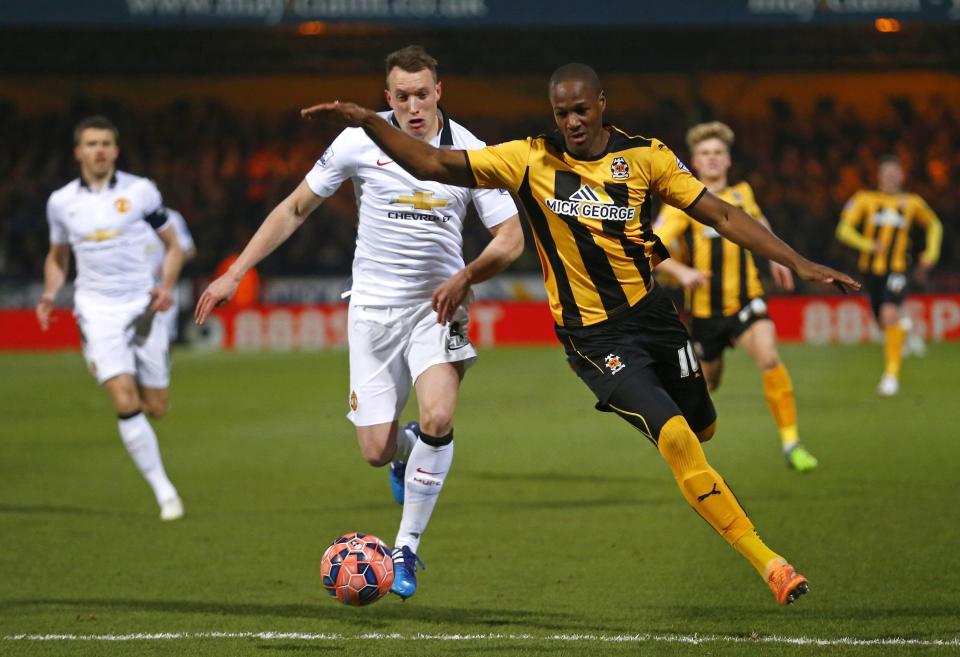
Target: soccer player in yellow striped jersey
877	224
587	190
724	293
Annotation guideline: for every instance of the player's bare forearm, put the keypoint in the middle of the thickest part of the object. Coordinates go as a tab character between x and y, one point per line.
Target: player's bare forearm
505	247
55	267
419	158
172	260
739	227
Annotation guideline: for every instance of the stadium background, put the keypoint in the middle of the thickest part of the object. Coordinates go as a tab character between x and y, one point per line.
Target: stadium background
560	524
206	93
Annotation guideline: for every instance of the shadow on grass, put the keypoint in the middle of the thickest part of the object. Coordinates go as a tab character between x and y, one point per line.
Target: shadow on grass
383	617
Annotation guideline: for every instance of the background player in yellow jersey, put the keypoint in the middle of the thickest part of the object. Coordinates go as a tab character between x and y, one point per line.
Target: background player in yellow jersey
724	293
586	190
877	224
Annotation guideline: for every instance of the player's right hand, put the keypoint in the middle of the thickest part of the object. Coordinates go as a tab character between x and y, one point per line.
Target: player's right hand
217	293
349	115
43	310
692	278
811	271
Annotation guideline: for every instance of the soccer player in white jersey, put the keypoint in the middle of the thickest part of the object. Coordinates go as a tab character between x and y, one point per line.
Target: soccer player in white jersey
407	319
105	216
156	252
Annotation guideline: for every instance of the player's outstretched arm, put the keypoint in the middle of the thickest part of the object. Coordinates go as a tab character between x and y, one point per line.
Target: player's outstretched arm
425	162
505	247
55	267
739	227
280	224
689	277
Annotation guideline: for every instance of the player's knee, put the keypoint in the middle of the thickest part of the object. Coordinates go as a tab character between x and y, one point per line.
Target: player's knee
706	434
126	402
156	408
713	380
436	421
768	361
679	445
889	315
376	455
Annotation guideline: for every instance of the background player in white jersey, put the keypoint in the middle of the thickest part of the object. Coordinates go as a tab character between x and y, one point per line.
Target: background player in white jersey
105	216
156	253
407	322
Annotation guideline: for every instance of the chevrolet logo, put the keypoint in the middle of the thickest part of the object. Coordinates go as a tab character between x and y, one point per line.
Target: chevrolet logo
421	201
102	235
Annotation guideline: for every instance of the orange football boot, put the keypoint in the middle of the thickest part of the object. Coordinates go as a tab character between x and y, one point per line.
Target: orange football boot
785	582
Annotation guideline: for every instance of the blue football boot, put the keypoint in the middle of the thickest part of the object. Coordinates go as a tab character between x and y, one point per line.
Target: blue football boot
405	572
398	471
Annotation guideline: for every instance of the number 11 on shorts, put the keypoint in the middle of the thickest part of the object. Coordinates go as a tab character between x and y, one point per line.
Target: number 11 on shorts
688	360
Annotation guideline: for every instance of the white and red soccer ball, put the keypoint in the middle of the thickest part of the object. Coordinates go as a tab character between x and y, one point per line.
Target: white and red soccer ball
357	569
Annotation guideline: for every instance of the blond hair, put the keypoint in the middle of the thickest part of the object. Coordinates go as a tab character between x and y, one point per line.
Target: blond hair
712	130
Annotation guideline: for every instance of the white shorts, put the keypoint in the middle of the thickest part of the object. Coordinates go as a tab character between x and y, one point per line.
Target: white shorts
390	348
115	342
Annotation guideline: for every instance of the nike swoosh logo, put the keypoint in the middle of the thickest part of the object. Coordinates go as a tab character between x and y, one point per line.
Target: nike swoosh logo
383	164
427	472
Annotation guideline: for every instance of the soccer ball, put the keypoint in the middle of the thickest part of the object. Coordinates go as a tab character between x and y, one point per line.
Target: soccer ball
357	569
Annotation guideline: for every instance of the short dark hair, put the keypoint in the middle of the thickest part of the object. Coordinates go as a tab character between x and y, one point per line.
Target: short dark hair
98	122
412	59
576	72
889	158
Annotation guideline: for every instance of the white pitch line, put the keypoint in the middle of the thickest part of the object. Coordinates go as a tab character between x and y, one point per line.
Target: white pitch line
694	639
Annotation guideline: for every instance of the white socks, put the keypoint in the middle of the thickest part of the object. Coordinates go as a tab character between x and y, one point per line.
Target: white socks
427	469
141	443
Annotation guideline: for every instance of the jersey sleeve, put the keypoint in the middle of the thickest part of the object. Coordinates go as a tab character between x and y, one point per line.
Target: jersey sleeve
750	205
671	178
853	210
502	165
336	165
153	211
58	231
850	217
670	225
928	218
493	205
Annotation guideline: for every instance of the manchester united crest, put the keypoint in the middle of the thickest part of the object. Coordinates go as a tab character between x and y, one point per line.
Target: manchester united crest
122	205
619	169
353	401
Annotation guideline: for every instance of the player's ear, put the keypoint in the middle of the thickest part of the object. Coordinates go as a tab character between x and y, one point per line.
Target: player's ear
602	101
386	94
439	88
76	152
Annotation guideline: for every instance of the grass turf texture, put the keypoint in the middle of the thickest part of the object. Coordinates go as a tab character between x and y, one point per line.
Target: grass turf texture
556	519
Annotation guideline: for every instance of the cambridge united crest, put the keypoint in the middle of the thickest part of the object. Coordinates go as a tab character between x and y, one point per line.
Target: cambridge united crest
619	169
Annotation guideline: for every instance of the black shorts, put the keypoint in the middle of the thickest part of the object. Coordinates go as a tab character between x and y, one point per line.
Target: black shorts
641	365
714	334
885	288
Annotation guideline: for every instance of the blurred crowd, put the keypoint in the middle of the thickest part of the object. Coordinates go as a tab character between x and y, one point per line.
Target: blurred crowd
225	170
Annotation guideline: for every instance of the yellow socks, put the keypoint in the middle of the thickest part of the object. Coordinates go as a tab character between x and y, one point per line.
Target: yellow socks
893	350
756	552
704	489
778	389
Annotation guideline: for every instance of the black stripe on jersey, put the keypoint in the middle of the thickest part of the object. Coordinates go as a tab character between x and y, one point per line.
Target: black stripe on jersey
156	218
595	260
743	277
538	223
620	194
618	141
716	281
699	196
446	132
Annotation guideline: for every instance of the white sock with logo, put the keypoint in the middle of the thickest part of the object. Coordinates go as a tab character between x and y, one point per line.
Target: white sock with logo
427	468
141	443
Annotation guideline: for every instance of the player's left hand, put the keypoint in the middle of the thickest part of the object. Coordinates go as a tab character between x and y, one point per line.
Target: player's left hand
449	296
811	271
162	298
349	115
782	276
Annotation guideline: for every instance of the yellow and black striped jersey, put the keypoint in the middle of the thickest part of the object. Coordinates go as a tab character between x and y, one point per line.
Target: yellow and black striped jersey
591	219
733	272
873	217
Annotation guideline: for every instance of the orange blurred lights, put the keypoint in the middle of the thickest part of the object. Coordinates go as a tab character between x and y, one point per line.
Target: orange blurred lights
887	25
312	28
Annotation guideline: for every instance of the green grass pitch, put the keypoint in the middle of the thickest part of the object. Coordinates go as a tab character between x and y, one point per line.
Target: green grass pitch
559	528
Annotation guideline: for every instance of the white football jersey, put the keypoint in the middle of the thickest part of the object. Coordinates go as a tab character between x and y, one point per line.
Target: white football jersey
108	231
155	247
410	232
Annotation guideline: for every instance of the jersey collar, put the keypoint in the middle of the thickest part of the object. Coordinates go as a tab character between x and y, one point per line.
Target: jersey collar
446	134
110	185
